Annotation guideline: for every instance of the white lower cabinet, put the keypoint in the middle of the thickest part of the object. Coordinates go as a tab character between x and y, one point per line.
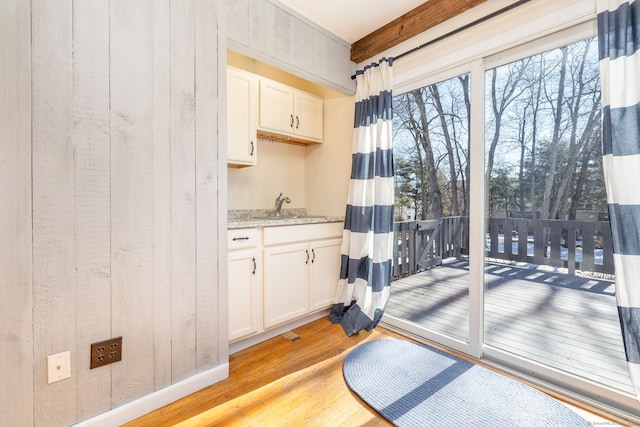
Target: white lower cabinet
323	273
286	283
245	283
301	270
279	274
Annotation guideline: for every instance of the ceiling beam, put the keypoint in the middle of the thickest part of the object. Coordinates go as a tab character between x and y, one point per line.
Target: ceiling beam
412	23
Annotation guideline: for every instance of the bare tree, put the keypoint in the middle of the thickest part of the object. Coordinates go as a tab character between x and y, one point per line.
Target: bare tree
502	94
435	95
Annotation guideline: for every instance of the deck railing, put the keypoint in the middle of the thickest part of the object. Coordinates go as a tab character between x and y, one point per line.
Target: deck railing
573	245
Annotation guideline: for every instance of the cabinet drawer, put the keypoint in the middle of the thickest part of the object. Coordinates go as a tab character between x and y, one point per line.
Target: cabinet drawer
242	238
302	232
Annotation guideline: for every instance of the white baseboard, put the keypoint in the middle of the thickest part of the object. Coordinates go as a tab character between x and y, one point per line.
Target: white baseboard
139	407
235	347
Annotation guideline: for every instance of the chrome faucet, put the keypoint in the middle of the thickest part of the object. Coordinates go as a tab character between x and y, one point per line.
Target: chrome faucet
279	201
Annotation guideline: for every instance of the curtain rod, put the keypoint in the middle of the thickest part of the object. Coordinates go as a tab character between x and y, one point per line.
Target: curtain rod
458	30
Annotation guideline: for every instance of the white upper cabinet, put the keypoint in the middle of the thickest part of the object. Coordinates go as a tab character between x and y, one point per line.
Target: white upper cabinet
309	111
242	118
287	111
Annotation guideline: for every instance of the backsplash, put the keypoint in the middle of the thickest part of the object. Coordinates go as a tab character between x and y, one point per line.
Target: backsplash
281	168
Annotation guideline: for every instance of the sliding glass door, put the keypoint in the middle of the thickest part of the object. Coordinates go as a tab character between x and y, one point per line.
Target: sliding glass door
431	140
549	289
504	248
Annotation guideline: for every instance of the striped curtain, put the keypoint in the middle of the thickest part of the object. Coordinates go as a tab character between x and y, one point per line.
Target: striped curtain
618	42
367	242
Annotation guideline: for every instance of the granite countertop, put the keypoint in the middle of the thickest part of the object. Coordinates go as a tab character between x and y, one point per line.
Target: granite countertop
265	218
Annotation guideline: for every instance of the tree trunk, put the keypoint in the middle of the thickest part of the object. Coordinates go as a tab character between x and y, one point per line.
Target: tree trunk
431	172
435	94
553	148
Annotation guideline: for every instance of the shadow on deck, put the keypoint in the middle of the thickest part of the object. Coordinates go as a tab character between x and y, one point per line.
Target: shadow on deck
566	322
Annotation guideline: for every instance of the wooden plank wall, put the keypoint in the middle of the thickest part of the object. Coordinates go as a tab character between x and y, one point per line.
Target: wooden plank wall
109	181
132	240
53	166
92	219
16	298
114	189
267	31
210	188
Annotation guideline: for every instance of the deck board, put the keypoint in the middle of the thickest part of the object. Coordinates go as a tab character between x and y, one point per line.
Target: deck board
567	322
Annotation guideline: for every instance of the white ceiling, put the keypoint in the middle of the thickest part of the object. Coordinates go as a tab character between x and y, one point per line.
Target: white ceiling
351	20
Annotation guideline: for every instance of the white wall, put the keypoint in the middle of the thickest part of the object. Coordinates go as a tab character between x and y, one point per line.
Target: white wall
329	165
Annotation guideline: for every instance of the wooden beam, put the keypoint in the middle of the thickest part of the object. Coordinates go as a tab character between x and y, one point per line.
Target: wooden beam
412	23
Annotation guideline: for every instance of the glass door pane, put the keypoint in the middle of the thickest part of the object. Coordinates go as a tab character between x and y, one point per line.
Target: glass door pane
431	161
549	289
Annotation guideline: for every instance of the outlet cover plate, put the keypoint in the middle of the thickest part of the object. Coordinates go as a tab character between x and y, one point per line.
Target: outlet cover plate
58	366
106	352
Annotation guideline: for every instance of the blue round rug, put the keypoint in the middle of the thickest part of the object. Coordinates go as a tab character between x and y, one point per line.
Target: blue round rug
414	385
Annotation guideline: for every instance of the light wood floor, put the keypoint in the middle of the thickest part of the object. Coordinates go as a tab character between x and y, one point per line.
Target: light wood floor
281	382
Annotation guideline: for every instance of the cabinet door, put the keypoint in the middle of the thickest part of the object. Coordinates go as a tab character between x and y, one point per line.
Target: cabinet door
244	294
286	283
242	118
309	110
324	273
276	107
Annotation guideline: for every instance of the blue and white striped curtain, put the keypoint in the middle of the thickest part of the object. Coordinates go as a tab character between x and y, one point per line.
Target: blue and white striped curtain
367	242
619	43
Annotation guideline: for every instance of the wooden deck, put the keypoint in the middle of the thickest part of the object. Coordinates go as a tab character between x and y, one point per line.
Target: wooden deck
567	322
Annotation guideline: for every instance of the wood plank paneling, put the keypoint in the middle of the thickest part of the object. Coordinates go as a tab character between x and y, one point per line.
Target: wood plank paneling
161	21
16	297
238	21
264	30
53	206
283	35
132	206
183	191
210	331
101	169
412	23
302	35
92	221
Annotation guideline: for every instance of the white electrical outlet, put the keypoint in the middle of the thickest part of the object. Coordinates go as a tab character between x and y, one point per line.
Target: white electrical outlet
59	366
